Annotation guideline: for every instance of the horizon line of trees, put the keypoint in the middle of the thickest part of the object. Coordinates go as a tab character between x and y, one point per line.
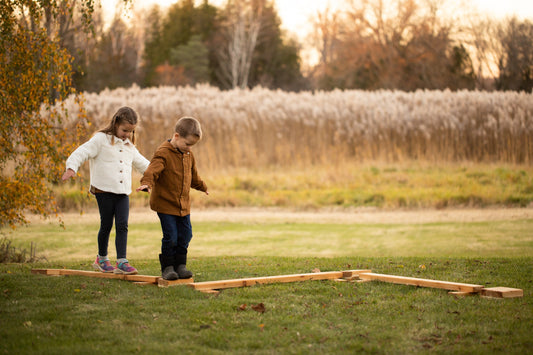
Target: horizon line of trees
370	45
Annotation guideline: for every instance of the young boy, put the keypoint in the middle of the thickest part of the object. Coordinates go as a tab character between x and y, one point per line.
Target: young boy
169	177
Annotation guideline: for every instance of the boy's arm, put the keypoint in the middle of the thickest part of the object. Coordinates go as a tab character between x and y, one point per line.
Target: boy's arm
196	182
151	174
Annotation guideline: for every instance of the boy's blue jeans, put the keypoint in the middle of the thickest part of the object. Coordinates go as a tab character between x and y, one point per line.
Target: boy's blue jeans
177	234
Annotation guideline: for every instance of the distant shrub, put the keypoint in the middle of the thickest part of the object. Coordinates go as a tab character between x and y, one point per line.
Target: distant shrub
12	254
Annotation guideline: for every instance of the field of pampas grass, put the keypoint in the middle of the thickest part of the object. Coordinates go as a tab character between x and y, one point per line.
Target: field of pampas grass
263	128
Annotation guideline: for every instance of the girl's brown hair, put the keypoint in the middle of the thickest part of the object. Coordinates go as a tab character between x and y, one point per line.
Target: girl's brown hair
123	115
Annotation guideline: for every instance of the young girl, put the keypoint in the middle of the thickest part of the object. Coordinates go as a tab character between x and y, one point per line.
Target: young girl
112	154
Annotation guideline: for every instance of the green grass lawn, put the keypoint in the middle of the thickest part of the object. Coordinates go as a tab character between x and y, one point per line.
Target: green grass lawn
73	314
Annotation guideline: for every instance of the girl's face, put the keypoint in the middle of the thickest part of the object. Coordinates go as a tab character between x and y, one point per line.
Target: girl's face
125	130
184	144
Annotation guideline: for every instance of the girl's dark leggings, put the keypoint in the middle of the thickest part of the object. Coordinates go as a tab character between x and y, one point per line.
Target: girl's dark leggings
117	207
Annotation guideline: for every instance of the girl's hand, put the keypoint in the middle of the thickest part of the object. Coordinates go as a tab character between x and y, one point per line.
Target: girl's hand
207	192
144	188
68	174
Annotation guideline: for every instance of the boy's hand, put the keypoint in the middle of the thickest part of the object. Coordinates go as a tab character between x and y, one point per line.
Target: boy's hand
144	188
68	174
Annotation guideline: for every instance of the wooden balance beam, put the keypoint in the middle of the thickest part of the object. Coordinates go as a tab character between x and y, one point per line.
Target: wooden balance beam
455	288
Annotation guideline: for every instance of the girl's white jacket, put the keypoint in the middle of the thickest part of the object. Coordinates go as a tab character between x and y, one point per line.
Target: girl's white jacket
110	164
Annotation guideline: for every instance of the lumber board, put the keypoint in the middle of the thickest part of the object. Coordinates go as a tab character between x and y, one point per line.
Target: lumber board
161	282
142	278
46	271
413	281
502	292
97	274
245	282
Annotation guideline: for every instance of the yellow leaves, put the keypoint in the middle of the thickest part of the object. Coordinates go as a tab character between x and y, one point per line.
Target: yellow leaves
34	71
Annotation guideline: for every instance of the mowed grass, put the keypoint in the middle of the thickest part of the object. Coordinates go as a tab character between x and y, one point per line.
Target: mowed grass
495	238
50	315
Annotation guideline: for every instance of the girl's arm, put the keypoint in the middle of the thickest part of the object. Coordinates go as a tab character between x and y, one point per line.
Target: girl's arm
84	152
139	162
68	174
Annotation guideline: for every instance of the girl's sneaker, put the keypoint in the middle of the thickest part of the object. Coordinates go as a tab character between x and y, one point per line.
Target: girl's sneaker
103	265
123	267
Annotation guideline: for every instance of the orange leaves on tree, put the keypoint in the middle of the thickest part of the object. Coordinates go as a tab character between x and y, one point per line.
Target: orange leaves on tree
34	73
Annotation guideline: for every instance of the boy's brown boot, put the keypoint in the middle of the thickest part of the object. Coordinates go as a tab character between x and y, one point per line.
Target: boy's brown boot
167	267
180	262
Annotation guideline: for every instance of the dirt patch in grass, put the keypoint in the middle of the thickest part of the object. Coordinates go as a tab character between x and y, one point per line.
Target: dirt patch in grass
257	215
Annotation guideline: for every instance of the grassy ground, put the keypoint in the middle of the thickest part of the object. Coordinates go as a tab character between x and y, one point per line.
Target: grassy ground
379	185
49	315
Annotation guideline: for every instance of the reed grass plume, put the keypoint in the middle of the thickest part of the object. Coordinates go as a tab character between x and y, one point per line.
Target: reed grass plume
260	127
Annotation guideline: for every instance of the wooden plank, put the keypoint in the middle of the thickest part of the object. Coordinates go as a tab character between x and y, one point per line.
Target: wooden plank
46	271
353	274
142	278
502	292
222	284
453	286
161	282
97	274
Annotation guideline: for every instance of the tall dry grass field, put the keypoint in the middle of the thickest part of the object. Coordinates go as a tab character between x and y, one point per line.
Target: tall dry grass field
261	128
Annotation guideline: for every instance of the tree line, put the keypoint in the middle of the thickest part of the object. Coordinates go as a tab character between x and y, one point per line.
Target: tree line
401	45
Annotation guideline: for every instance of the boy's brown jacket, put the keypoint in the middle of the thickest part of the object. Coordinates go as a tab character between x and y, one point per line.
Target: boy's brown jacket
170	175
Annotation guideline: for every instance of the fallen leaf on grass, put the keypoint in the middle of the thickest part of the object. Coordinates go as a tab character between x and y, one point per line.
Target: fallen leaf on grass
242	307
260	307
316	270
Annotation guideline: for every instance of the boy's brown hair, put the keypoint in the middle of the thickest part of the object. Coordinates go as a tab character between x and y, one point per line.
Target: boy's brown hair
188	126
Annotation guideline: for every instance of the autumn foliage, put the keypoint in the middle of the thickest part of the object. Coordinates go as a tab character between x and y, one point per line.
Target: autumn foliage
34	74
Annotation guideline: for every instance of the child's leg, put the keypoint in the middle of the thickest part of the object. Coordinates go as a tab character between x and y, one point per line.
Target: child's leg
106	207
122	211
170	234
184	234
168	245
184	238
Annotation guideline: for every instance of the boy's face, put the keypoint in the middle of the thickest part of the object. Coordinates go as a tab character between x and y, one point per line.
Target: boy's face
184	144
